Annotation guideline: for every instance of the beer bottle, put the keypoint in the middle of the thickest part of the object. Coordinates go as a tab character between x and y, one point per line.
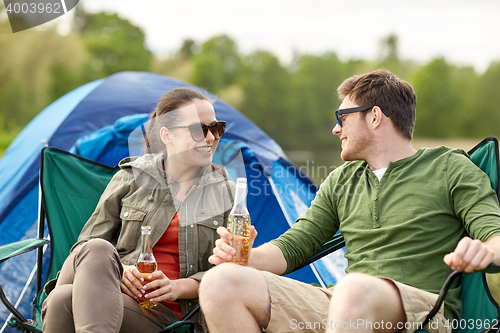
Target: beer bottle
146	264
238	224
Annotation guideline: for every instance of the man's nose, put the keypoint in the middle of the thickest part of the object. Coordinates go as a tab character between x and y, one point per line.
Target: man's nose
337	129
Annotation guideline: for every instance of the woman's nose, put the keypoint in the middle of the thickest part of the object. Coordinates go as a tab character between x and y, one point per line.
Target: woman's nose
210	137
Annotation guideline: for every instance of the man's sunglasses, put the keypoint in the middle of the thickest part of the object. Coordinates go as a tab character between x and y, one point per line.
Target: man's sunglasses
199	131
340	112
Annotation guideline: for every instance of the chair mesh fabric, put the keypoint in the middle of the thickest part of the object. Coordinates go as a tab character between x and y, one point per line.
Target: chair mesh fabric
71	187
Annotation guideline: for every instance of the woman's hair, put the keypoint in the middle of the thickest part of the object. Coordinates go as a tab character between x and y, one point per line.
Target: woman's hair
162	117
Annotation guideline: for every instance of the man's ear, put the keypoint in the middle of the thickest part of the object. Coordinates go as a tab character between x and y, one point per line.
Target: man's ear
377	115
165	136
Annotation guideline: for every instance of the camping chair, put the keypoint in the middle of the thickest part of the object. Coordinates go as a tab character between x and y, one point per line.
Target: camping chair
70	189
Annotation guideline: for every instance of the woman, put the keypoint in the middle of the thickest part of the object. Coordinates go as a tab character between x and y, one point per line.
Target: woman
177	191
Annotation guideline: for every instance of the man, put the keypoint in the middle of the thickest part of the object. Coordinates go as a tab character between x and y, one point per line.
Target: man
404	215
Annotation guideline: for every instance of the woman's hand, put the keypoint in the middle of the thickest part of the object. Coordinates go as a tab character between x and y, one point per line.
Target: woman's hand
161	289
131	281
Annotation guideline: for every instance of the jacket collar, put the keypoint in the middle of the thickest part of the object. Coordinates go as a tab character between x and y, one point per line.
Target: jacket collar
152	165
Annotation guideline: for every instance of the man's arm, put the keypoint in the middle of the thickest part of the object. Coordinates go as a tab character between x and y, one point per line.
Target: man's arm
267	257
472	255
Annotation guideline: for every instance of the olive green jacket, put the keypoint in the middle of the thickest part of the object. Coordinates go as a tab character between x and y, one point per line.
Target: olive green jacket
142	193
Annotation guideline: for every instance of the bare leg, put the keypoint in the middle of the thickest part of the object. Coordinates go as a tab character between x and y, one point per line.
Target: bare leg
235	299
374	304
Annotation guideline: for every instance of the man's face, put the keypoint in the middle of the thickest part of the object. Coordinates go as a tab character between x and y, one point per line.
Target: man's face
354	134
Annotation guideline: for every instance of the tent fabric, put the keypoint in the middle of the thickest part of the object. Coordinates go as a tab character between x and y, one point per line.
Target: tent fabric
97	120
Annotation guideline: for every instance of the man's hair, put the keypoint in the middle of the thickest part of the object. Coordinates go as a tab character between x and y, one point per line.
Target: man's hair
381	88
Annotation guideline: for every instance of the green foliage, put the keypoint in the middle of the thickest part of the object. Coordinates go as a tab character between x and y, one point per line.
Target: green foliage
218	57
433	84
38	68
313	99
293	103
483	116
208	73
447	98
64	80
115	45
187	49
6	137
267	94
26	74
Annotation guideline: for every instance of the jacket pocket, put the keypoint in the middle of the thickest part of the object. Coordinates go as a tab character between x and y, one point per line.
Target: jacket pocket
130	232
207	235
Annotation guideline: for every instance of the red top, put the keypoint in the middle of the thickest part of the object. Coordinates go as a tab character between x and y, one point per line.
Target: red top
166	253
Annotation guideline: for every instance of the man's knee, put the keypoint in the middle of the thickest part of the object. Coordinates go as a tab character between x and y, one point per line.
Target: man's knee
355	286
232	279
223	276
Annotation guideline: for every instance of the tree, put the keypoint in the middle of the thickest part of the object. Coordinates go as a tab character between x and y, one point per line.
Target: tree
483	113
208	73
188	48
389	49
218	57
438	100
27	81
267	95
313	99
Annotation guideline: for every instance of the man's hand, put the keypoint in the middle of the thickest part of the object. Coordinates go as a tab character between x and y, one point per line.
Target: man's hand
470	255
224	252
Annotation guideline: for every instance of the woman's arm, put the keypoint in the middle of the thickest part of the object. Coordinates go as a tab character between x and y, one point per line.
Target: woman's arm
105	221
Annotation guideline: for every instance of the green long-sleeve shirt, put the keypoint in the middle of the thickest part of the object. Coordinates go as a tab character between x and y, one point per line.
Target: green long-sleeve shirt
401	226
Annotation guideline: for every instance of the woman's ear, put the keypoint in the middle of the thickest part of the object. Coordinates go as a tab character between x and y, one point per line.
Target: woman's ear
165	136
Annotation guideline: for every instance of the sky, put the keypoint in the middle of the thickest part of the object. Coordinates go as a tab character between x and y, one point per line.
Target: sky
464	32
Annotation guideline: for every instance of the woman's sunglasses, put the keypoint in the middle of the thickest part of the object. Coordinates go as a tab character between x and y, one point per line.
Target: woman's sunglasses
199	131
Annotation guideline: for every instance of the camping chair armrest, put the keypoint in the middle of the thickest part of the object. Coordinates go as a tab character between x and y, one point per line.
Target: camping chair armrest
492	268
336	243
9	251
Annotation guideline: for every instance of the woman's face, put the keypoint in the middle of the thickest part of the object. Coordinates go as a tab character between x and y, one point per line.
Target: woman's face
181	147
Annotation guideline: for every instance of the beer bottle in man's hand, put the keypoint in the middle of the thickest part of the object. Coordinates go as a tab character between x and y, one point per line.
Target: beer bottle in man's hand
238	224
